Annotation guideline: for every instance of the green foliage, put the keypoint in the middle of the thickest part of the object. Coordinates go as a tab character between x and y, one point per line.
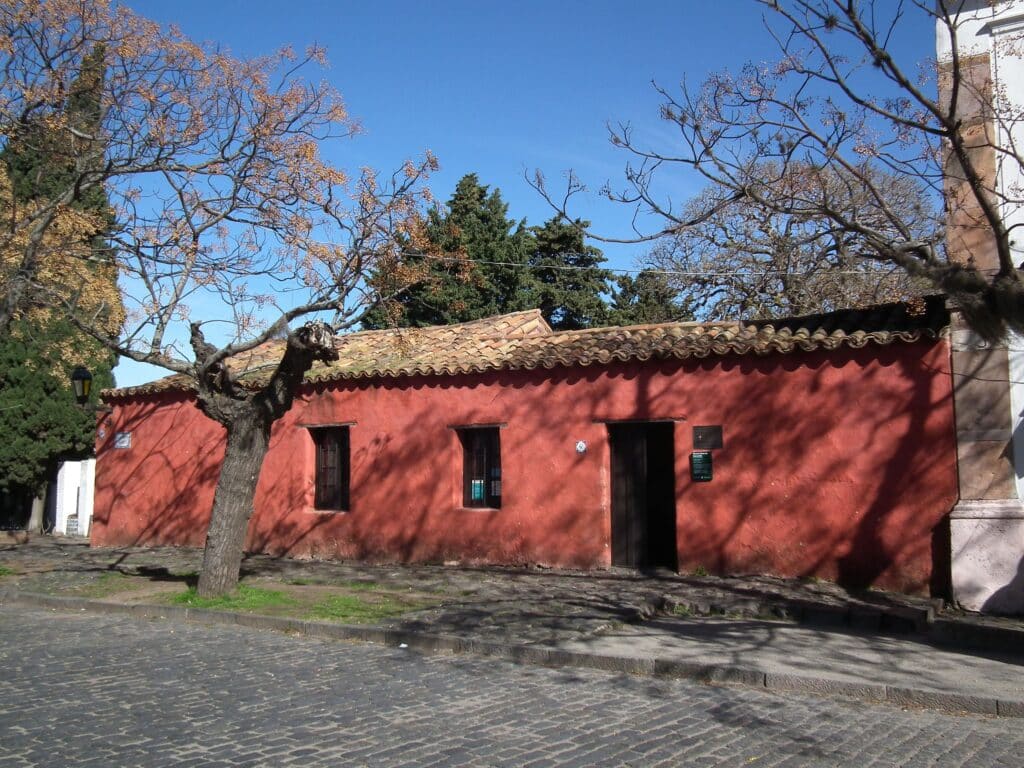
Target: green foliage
569	284
360	586
43	163
244	598
39	418
41	423
109	584
352	608
308	605
645	299
482	269
488	264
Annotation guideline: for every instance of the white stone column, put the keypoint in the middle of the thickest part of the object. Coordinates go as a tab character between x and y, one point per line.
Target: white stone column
988	568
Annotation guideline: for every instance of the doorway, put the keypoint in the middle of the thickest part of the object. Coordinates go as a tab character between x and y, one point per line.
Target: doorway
643	495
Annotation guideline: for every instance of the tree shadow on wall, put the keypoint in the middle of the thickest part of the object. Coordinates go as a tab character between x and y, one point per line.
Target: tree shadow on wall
854	518
775	505
156	486
425	521
766	510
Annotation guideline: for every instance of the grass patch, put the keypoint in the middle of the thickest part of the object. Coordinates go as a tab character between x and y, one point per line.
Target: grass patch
355	602
244	598
106	584
351	586
682	610
5	571
353	608
359	586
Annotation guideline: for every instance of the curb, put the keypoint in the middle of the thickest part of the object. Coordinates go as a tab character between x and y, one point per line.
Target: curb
924	624
714	674
950	633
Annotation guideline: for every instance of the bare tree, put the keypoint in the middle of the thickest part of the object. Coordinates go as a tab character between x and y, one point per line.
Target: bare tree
224	207
746	260
838	103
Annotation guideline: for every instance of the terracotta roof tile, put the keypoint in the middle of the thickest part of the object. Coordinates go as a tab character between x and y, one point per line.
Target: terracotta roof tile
524	341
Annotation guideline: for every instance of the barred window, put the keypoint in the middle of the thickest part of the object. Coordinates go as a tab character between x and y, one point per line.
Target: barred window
481	467
332	468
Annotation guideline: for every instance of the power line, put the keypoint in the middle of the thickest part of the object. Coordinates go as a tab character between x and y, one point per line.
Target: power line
666	272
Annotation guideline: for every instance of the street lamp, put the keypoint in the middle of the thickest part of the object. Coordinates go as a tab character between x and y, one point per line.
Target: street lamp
81	381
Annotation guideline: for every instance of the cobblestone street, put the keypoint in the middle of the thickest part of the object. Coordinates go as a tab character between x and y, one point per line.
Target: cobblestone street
87	690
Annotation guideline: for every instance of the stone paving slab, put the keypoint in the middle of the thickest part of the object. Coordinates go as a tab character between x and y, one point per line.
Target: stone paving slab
843	663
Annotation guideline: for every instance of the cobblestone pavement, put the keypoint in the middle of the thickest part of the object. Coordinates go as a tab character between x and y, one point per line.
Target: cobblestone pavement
87	690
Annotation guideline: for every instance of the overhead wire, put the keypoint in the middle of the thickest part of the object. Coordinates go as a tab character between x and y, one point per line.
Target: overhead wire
637	271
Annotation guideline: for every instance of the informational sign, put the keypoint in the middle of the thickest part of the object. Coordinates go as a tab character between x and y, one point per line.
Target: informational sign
706	438
701	469
122	440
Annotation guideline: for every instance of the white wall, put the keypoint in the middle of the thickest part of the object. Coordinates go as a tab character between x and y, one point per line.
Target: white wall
75	488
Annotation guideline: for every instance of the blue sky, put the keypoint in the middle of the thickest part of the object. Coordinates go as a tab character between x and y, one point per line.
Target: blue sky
499	89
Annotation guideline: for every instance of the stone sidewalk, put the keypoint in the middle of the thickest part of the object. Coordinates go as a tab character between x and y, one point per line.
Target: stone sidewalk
765	632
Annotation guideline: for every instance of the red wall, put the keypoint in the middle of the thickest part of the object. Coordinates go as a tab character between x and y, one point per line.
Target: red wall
839	465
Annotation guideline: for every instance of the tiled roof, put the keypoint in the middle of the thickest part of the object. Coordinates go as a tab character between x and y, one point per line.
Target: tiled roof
523	341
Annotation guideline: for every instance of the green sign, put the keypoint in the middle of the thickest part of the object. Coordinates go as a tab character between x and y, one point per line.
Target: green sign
700	467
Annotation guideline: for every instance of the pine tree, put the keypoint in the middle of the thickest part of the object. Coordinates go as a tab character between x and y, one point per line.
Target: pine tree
42	162
645	299
482	268
39	419
569	283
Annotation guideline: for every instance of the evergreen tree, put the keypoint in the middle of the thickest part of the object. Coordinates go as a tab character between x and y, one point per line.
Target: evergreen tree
482	268
645	299
39	418
42	163
569	284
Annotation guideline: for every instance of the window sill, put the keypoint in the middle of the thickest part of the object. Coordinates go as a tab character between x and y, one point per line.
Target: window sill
477	509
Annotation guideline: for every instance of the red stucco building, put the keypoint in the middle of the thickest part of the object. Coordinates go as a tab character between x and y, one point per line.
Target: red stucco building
816	446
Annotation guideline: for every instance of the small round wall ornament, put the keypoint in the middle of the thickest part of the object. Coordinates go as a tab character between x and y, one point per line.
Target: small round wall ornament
581	446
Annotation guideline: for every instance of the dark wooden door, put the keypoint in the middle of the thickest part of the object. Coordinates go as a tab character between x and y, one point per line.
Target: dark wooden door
629	492
643	495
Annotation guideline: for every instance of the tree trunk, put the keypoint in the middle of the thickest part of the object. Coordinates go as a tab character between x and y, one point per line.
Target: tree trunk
248	438
248	420
35	519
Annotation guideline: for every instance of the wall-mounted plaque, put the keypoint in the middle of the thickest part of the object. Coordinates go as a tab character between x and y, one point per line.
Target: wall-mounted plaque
122	439
701	469
706	438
